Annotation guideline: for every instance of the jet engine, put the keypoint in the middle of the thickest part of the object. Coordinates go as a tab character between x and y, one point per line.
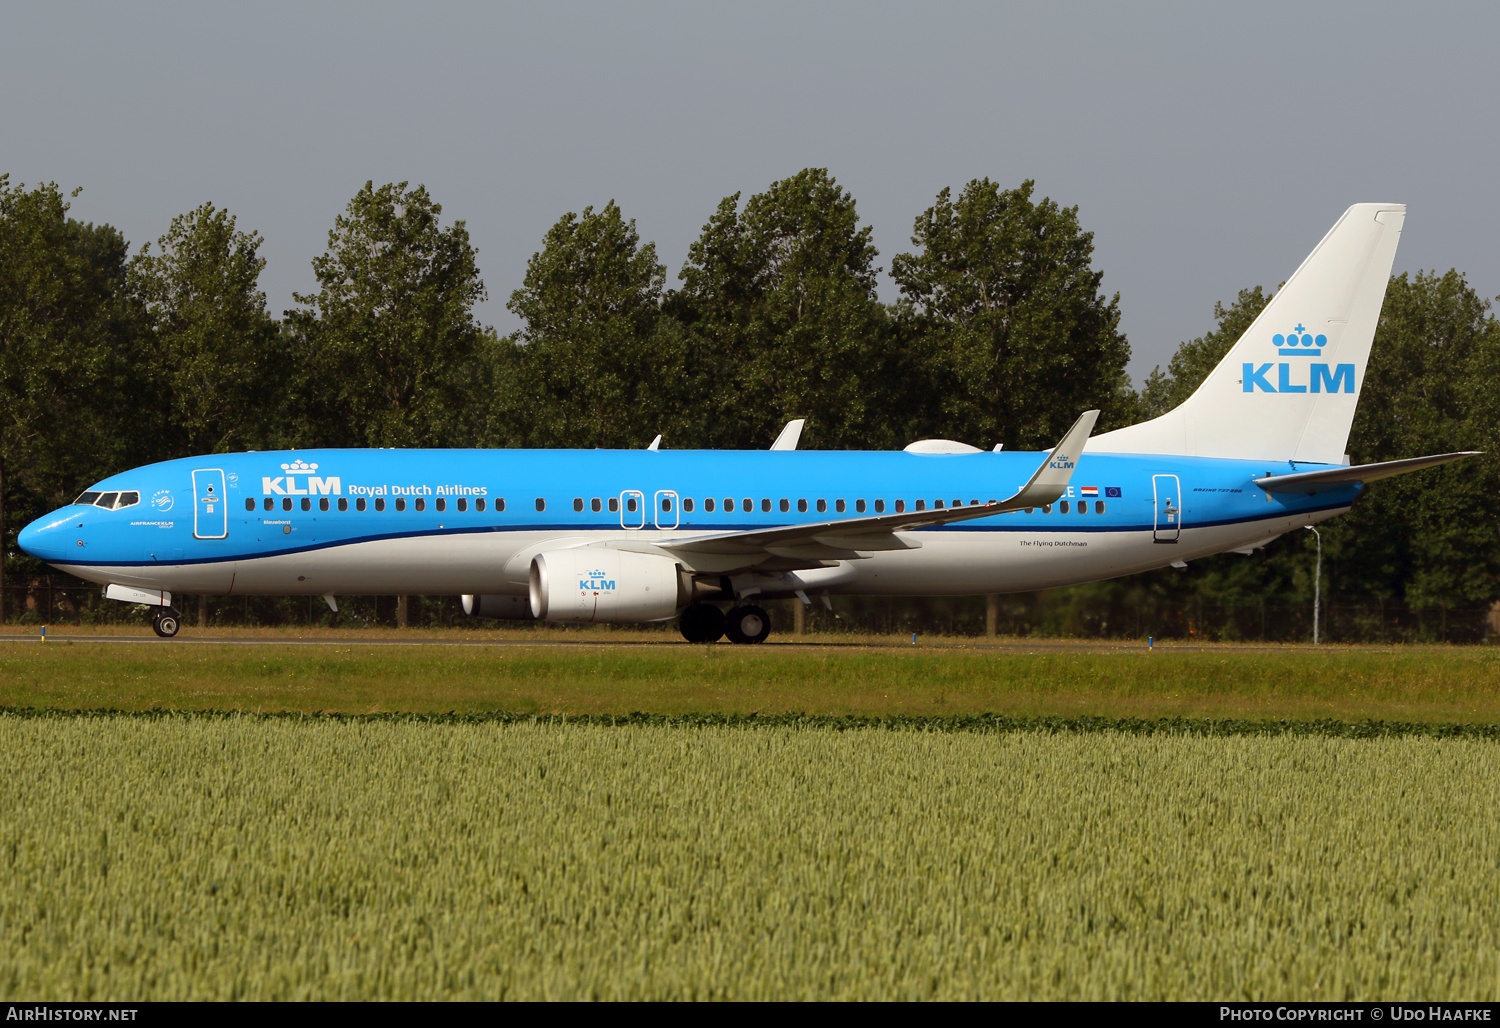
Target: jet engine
504	607
598	584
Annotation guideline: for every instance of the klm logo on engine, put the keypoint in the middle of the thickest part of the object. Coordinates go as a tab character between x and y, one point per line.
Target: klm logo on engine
286	485
596	582
1288	377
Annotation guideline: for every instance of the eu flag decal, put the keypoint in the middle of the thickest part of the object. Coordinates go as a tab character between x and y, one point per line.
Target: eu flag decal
1112	491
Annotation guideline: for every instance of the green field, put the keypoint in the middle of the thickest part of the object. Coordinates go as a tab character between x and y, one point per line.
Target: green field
257	858
1348	683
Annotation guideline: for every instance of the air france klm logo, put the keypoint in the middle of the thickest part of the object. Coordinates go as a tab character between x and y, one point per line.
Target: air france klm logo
596	582
1318	379
286	485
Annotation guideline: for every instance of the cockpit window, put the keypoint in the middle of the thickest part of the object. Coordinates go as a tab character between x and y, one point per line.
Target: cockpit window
109	501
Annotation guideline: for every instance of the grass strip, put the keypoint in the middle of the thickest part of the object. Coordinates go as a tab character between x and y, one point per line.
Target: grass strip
991	723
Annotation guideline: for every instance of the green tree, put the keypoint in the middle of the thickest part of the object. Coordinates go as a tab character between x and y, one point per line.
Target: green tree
783	321
68	392
594	367
214	348
1017	339
1195	358
388	344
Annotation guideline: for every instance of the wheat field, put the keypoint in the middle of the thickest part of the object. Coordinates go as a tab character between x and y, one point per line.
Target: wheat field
219	857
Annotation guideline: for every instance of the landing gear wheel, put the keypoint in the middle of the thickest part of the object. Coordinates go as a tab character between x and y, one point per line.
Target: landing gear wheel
701	623
747	624
165	623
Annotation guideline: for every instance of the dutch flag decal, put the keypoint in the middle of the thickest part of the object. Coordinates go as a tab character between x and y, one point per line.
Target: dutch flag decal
1090	490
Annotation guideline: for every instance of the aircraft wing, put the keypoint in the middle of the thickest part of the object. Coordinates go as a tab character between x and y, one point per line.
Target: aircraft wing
843	538
1311	482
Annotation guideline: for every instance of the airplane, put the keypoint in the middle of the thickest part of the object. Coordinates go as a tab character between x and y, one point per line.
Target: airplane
650	535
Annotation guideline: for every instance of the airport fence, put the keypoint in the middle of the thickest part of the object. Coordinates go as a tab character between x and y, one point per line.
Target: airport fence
62	599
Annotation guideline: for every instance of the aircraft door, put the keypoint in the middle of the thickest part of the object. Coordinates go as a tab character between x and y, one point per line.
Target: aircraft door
632	509
210	515
1168	490
666	513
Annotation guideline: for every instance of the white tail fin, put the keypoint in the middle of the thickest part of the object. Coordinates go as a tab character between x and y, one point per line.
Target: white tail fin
1287	389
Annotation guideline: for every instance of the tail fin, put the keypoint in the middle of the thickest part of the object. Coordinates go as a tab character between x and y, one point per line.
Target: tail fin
1287	389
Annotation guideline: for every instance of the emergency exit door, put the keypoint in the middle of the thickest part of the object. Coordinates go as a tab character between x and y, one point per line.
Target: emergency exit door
1168	492
210	515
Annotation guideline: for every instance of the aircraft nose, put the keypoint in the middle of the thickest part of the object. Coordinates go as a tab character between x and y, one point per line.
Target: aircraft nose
47	538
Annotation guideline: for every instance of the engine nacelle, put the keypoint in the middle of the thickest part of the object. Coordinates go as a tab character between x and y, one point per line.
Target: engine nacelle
597	584
505	607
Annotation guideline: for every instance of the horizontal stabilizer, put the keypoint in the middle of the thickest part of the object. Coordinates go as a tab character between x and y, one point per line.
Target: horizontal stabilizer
1310	482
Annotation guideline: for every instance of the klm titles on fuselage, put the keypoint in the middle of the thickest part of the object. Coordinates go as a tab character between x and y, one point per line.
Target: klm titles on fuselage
1320	378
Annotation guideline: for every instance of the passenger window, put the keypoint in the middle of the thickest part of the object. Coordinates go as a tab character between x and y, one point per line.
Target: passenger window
463	504
747	505
421	504
249	503
440	504
838	505
708	505
479	505
822	506
323	503
306	503
577	505
343	503
687	505
1046	508
630	504
785	505
286	504
879	506
359	504
499	505
859	506
765	506
1063	507
1030	509
107	500
400	504
1083	506
958	503
1098	506
729	505
594	505
270	503
541	504
921	505
87	499
379	503
614	504
666	503
802	506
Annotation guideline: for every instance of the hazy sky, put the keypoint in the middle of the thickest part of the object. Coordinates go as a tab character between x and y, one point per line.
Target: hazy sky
1208	147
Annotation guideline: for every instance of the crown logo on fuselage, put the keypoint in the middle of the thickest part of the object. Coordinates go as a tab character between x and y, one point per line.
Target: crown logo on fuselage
1299	343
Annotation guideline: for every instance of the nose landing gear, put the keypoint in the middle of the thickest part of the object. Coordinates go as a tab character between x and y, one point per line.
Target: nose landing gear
165	622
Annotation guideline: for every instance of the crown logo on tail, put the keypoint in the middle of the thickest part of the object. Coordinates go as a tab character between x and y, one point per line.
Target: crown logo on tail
1299	343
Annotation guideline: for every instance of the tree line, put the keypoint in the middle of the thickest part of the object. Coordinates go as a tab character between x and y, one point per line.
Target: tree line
1002	333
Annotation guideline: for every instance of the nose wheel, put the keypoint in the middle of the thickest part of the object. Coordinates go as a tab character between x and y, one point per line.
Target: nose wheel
165	622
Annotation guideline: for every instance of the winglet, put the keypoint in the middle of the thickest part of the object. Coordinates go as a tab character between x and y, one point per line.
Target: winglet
1051	479
790	435
655	443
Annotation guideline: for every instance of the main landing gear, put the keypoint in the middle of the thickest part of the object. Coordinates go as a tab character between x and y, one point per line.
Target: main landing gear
703	622
165	622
